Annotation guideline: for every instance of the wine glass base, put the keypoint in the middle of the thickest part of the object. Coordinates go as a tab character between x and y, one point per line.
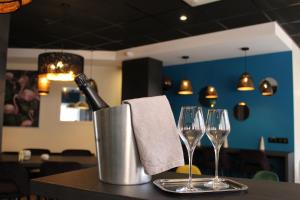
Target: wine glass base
187	189
216	184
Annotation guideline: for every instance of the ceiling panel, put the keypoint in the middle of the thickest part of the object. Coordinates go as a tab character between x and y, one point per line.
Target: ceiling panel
202	28
23	43
296	38
119	24
86	22
61	30
292	28
113	11
63	44
154	7
171	19
166	35
275	4
245	20
143	27
227	8
286	15
113	33
112	46
89	39
137	41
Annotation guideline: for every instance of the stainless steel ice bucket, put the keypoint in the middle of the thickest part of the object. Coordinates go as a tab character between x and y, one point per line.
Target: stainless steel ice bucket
118	158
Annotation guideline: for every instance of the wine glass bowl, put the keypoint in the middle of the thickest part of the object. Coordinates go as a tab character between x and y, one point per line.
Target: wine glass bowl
191	127
217	129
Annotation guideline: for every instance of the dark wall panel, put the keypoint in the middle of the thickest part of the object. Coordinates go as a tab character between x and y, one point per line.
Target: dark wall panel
4	30
141	78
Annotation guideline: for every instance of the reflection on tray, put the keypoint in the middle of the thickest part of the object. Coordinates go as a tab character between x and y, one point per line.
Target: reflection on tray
172	185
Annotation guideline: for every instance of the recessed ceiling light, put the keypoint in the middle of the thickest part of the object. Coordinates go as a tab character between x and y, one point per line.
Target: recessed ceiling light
195	3
183	17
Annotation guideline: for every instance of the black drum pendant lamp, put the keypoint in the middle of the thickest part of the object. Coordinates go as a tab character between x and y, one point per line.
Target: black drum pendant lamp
60	66
245	83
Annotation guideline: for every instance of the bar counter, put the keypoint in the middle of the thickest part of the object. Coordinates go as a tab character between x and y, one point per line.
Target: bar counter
84	184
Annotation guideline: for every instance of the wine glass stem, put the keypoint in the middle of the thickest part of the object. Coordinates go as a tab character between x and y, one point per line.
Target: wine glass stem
190	153
217	150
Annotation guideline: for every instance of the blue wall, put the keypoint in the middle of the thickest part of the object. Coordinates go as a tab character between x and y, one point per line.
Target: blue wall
269	116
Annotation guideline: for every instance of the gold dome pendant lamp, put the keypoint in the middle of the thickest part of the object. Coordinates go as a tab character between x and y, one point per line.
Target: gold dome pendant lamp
246	82
185	87
266	88
43	84
211	92
185	84
9	6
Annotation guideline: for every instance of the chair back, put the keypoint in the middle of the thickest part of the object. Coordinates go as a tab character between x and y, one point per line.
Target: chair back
266	175
76	152
38	151
9	153
206	159
13	172
185	170
53	167
253	161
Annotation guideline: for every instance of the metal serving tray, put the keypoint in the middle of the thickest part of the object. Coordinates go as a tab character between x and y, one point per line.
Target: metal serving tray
171	185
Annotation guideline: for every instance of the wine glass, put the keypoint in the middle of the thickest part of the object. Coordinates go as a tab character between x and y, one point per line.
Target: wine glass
217	129
192	128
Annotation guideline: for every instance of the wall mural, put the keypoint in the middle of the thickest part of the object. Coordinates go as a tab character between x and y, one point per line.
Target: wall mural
22	101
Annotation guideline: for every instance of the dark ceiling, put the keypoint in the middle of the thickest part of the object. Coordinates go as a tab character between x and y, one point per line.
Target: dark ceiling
120	24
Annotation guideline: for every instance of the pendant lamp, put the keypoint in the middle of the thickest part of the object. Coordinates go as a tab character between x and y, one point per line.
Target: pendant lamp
91	80
60	66
9	6
185	85
245	83
82	105
166	83
266	88
43	85
211	92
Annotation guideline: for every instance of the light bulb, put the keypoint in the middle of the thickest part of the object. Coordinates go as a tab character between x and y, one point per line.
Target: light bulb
183	18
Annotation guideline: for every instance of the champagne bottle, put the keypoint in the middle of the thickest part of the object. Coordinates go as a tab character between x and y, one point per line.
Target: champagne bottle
93	99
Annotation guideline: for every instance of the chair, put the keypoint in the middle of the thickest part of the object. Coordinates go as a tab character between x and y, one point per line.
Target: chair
205	157
38	151
14	181
9	153
185	170
266	175
76	152
35	172
53	167
252	161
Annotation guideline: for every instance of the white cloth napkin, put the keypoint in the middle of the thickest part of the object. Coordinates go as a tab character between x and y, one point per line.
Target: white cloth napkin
156	134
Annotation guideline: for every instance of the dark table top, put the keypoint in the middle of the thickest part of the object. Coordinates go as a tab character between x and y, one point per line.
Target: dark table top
84	184
36	161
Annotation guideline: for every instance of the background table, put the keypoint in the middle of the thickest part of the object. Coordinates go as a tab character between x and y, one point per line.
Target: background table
36	161
84	184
